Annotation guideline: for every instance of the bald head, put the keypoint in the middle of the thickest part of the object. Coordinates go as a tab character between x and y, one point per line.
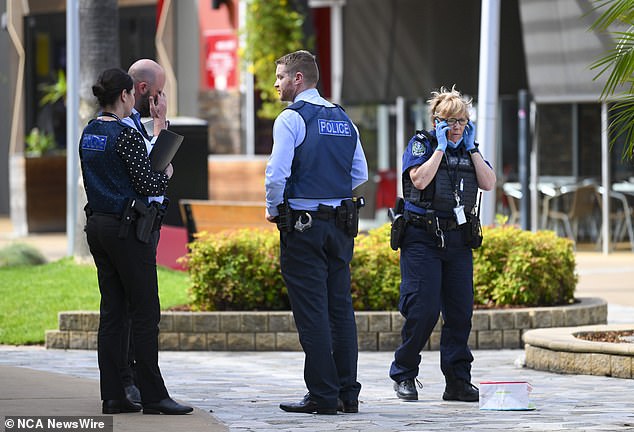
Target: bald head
149	80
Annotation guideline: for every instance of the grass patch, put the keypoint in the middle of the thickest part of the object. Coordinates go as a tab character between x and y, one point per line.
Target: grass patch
33	295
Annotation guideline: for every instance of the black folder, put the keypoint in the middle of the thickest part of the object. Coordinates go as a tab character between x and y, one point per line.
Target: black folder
164	149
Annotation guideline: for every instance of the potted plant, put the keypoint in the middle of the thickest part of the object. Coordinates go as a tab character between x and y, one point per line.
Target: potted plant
45	168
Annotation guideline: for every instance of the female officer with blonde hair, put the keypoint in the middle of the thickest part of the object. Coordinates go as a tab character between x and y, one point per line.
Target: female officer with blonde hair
442	171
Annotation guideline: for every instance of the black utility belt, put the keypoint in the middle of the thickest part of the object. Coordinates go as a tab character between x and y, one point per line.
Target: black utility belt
430	222
102	214
345	216
324	212
145	218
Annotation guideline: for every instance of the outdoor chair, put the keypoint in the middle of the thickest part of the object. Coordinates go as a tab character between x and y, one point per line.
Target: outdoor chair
572	206
620	218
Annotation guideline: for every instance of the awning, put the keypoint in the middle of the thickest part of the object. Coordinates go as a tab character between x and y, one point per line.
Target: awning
560	48
408	48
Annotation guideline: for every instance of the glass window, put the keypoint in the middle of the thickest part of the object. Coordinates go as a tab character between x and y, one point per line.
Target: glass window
555	139
589	136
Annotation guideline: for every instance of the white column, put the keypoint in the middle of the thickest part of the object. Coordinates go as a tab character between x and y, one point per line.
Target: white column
247	87
605	179
400	141
72	120
534	172
383	137
488	93
336	50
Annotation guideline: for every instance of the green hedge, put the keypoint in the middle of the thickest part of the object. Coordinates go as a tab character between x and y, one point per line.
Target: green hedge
239	270
516	267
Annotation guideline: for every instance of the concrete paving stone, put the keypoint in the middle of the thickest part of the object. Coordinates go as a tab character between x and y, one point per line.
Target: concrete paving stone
244	389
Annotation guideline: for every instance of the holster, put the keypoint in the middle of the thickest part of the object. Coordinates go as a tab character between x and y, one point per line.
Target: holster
347	216
161	210
284	220
127	217
145	221
399	223
472	231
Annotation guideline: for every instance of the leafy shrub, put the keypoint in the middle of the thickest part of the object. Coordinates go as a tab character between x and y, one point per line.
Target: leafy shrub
516	267
20	254
375	271
239	270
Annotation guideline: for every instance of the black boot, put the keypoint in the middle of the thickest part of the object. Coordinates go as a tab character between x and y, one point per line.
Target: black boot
460	390
406	389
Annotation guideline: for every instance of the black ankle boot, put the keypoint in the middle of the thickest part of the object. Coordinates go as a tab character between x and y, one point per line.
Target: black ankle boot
460	390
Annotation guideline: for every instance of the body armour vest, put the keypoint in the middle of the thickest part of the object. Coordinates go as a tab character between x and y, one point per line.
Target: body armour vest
455	173
323	161
106	179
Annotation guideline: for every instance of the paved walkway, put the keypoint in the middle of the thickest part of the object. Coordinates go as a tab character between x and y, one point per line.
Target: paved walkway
244	390
241	391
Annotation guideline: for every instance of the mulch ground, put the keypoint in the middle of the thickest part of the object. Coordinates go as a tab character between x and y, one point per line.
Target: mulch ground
607	336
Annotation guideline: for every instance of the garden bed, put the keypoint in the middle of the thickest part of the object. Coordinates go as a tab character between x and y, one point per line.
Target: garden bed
275	330
562	350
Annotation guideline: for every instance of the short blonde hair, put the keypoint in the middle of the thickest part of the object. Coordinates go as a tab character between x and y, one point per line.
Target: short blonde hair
301	61
448	103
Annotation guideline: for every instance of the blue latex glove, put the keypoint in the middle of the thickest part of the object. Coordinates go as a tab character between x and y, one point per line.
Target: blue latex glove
469	136
441	135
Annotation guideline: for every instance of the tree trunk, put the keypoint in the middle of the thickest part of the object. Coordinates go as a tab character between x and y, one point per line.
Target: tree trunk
98	50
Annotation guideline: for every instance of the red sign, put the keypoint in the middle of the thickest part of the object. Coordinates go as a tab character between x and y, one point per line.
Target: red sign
221	62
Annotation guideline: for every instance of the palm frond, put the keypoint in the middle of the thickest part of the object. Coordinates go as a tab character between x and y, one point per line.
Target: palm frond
620	60
623	124
617	11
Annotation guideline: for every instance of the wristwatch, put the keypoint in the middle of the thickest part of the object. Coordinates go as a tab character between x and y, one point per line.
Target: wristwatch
474	150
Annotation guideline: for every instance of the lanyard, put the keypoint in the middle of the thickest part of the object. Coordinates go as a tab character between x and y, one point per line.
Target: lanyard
136	117
109	114
453	179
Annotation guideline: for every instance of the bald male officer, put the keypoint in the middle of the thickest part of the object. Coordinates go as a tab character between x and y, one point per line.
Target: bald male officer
150	101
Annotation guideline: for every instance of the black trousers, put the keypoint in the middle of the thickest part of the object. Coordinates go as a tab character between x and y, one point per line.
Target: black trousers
435	281
316	268
126	270
128	373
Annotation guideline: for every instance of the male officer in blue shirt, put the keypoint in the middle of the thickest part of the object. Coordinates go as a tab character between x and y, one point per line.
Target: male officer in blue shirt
316	162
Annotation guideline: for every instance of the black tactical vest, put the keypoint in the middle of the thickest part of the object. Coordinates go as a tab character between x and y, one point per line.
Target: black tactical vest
456	173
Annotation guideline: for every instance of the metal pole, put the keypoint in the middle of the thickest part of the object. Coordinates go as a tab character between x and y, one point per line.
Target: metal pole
400	141
72	120
523	156
249	88
336	47
534	171
488	93
605	179
383	137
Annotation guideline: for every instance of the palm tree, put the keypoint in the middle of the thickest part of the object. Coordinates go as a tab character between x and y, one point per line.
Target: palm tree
98	50
619	62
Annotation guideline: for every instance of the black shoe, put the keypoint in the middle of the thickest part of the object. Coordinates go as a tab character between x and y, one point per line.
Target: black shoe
307	406
166	406
119	406
460	390
133	394
406	389
348	406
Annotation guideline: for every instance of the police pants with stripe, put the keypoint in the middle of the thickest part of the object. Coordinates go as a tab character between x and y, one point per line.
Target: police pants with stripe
435	281
315	265
126	270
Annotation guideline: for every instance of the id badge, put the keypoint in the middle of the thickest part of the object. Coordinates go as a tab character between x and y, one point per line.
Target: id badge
460	216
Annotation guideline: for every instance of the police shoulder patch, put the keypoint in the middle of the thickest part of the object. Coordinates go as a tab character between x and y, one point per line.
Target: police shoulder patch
418	148
94	142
